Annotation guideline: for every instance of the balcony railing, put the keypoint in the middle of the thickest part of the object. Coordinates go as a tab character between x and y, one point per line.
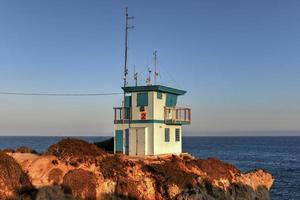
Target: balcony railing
172	115
122	114
176	115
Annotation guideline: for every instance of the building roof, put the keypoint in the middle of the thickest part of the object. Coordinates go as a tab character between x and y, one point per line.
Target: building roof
159	88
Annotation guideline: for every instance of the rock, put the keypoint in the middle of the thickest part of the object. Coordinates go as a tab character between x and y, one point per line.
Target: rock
8	150
75	150
208	191
24	149
53	192
80	183
107	145
88	172
13	180
55	176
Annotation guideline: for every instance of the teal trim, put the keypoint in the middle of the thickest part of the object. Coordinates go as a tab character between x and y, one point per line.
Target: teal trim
140	121
150	121
142	99
159	95
171	100
119	141
159	88
170	122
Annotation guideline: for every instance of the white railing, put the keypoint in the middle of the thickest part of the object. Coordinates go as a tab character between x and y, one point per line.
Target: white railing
122	114
178	115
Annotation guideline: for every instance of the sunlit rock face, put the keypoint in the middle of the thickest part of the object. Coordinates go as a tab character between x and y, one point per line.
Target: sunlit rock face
13	180
74	168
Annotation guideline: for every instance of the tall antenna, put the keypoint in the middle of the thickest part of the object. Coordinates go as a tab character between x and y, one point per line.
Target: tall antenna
148	80
155	67
135	76
127	18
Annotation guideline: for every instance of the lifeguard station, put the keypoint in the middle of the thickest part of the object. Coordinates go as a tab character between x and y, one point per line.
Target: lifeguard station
149	121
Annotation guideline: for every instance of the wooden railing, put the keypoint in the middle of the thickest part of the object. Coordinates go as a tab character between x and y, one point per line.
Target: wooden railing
178	115
122	114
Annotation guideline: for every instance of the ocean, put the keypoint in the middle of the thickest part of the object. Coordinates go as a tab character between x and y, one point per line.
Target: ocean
278	155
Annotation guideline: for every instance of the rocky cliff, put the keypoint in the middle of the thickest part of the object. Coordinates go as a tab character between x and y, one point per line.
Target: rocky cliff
75	169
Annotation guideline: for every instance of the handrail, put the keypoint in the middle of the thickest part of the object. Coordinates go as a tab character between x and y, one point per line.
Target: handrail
122	113
178	115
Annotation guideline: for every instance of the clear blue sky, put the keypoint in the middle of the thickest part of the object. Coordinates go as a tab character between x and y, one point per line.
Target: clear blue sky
238	60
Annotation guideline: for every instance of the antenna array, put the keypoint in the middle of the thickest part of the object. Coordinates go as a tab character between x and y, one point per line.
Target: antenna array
127	18
135	76
148	80
155	67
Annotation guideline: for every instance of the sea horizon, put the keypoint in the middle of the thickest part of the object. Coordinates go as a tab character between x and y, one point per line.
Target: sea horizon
182	136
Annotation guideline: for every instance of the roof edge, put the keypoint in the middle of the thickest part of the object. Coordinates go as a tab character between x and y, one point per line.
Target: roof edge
159	88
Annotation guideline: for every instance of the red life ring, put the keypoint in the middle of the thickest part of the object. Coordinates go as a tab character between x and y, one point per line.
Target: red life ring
143	115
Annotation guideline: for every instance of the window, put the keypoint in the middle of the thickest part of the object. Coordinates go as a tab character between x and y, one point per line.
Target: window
128	101
177	134
142	99
167	135
171	100
127	105
159	95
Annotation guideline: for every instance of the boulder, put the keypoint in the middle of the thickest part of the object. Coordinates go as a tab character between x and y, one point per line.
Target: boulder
81	184
75	151
13	181
24	149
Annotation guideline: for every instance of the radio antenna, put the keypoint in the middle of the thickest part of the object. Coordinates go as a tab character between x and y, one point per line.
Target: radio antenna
127	18
135	76
148	80
155	67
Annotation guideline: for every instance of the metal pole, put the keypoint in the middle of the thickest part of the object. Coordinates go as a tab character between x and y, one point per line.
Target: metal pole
126	48
155	66
125	64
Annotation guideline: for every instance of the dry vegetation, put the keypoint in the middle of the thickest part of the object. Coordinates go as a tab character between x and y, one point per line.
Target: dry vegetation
75	151
12	179
80	183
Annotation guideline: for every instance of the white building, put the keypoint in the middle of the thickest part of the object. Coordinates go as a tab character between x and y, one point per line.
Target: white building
150	123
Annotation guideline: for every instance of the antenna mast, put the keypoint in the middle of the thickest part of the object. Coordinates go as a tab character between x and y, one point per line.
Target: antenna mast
127	18
148	80
135	76
155	67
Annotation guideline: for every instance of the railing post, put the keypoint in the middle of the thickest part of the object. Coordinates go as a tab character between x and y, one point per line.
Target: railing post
115	117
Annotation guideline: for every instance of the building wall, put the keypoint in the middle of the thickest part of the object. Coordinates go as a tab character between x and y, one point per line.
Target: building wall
155	132
159	105
149	148
163	147
148	109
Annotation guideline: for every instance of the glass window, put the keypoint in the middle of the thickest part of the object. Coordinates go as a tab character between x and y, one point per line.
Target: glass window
159	95
177	134
128	101
167	135
171	100
142	99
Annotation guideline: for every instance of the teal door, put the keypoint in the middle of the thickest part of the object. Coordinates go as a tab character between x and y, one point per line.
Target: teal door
127	141
119	141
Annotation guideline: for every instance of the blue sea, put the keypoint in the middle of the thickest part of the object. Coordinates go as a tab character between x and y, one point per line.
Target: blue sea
278	155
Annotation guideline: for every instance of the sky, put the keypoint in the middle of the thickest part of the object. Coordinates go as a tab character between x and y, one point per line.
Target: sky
238	61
